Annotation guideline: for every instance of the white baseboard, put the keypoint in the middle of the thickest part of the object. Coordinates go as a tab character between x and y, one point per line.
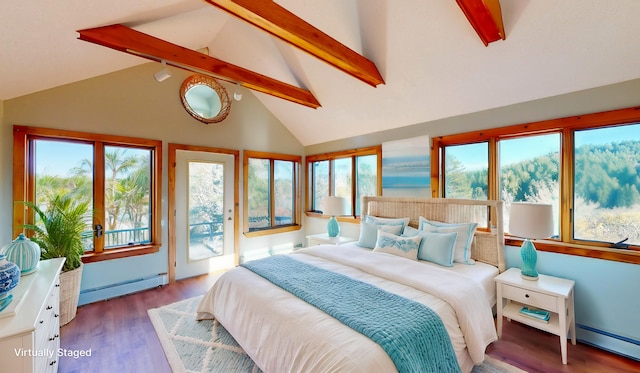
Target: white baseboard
107	292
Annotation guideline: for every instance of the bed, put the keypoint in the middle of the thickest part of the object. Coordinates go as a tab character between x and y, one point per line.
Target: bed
283	333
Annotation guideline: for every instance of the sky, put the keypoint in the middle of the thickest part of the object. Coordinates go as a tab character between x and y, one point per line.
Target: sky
475	156
57	158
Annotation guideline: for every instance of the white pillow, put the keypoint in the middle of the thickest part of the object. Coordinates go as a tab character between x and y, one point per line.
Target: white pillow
404	222
462	250
369	233
406	247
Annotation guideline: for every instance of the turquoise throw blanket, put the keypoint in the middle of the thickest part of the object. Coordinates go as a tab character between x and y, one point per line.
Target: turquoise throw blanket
411	333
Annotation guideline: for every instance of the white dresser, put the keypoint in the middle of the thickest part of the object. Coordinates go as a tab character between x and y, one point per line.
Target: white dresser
30	339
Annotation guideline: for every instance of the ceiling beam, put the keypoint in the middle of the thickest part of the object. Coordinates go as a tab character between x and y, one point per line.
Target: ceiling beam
486	18
278	21
128	40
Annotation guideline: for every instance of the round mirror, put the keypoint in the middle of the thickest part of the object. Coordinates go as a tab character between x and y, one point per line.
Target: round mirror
205	99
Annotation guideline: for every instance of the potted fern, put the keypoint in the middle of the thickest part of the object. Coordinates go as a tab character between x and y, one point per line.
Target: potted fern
58	231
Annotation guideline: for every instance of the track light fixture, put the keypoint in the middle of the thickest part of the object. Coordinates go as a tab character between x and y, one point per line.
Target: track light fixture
237	95
163	74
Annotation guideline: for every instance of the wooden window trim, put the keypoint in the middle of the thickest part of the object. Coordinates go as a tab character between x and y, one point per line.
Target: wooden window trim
120	252
351	153
297	161
24	179
632	255
566	128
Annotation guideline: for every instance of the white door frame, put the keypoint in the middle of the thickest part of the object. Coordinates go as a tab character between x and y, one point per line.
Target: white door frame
173	149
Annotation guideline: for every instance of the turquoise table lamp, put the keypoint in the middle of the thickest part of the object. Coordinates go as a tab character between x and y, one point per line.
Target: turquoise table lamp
334	206
530	221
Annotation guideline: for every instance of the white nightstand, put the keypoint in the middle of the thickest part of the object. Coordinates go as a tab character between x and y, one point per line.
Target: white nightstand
324	239
549	293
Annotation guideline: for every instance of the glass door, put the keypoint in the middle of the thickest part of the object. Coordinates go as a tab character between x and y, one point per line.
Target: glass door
204	213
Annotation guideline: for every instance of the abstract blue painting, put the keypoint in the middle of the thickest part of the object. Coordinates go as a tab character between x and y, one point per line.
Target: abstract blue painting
406	167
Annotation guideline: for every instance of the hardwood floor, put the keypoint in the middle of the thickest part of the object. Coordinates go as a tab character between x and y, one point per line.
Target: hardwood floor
121	339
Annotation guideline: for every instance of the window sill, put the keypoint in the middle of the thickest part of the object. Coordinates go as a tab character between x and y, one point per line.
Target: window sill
268	231
346	219
631	255
118	253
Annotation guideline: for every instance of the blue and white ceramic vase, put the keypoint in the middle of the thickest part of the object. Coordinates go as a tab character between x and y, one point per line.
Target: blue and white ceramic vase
24	253
9	276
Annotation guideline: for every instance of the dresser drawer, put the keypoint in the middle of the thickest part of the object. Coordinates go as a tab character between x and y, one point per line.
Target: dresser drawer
35	328
47	333
529	297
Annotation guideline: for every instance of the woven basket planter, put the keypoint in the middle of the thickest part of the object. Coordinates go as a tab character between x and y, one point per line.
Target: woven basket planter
69	293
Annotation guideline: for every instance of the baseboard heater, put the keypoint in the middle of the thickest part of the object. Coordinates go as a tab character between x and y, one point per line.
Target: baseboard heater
123	288
608	341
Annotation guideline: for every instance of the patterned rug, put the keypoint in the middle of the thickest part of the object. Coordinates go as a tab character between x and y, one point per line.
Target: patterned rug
205	346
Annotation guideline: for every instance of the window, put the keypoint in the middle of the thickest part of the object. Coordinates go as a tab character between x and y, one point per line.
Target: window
271	192
592	159
606	198
350	174
117	175
529	172
465	168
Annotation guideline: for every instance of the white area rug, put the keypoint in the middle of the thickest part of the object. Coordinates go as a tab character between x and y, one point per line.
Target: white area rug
205	346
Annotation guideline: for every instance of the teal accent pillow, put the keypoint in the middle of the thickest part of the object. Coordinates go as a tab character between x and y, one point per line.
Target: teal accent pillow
369	233
462	250
404	222
437	247
406	247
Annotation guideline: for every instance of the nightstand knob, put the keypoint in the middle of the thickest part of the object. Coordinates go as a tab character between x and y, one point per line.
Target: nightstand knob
526	295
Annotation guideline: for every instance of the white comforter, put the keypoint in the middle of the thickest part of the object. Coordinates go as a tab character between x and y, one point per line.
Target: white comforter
284	334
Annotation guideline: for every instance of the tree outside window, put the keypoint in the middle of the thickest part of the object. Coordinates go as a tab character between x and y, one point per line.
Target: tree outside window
116	175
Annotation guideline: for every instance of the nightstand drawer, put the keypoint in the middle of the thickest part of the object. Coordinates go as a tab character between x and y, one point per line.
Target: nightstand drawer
529	297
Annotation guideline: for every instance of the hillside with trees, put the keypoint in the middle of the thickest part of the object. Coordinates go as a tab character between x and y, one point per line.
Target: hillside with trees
606	182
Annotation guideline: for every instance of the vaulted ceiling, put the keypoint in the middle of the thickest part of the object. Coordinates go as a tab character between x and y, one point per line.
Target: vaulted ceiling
433	63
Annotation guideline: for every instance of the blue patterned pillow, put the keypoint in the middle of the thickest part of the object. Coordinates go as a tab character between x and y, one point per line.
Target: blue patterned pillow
406	247
404	222
462	250
369	233
437	247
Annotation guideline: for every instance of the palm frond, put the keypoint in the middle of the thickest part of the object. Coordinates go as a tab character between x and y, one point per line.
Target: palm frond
58	229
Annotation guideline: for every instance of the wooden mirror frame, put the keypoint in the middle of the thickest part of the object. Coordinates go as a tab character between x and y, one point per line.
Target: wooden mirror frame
196	80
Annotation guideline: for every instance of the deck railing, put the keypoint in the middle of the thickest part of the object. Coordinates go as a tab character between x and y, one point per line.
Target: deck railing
134	236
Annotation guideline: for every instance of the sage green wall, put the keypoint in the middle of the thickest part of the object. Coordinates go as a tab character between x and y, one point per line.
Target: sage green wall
131	103
611	97
605	292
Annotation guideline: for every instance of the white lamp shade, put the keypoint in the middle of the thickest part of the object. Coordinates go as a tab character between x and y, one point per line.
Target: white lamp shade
531	220
334	206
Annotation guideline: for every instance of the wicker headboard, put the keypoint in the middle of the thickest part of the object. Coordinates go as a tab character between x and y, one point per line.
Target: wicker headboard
488	243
